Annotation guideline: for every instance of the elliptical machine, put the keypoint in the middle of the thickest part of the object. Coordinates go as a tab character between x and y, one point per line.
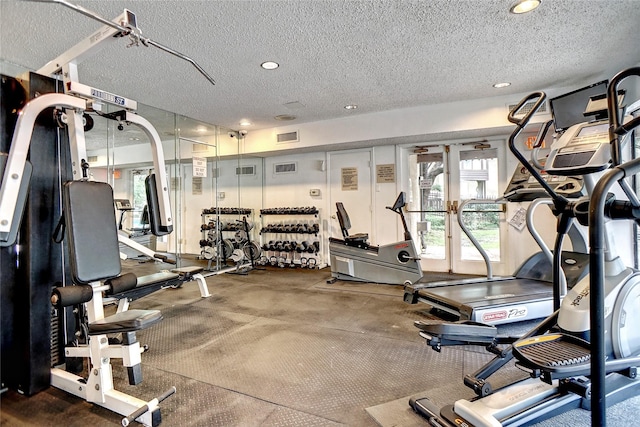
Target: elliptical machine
565	354
353	258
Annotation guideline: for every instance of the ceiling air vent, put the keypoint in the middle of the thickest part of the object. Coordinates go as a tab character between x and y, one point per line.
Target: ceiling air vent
246	170
280	168
527	107
92	159
283	138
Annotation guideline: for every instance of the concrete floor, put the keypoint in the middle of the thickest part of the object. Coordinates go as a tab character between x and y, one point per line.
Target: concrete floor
279	348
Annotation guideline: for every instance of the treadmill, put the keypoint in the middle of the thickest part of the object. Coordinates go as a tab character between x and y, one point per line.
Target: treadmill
528	293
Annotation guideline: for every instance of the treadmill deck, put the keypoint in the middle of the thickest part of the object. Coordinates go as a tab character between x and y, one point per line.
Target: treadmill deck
502	300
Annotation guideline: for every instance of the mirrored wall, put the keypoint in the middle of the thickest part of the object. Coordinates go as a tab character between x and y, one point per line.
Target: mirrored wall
212	185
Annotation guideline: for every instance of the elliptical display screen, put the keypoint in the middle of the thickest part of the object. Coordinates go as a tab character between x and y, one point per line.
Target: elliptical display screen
568	109
595	132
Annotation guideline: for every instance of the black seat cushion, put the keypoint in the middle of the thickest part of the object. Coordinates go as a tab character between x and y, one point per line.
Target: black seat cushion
127	321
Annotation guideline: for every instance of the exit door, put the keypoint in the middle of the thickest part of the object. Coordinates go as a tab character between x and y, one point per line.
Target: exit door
442	177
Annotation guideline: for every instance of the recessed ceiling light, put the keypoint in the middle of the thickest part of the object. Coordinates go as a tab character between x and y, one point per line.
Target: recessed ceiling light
350	107
524	6
501	85
245	123
269	65
201	129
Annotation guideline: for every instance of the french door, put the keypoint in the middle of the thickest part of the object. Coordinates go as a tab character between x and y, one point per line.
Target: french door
442	177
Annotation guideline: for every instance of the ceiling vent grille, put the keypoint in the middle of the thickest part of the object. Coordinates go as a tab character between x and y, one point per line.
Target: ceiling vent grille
92	159
287	137
246	170
281	168
527	107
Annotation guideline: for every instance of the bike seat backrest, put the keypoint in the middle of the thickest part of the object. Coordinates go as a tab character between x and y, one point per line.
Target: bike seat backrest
91	231
345	225
343	219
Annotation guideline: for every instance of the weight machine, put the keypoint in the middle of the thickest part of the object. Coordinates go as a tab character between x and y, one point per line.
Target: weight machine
49	176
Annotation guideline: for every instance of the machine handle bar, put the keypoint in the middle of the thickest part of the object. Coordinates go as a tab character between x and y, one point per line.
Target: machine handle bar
558	199
151	405
540	96
616	128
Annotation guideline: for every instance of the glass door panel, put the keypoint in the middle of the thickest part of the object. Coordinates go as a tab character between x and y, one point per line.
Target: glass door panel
442	178
428	207
477	178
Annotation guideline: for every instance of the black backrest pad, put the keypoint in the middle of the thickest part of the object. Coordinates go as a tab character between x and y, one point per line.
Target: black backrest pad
343	219
153	205
92	233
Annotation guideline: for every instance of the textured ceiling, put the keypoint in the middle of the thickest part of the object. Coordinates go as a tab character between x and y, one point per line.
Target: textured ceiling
379	54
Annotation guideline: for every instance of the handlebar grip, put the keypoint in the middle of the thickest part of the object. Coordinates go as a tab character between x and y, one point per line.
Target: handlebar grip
627	127
540	96
164	258
149	405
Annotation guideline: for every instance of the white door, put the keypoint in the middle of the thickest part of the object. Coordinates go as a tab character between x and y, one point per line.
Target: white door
442	177
476	174
350	183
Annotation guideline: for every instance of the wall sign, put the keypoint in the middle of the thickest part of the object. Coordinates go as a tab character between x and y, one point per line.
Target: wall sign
200	167
349	179
196	186
385	173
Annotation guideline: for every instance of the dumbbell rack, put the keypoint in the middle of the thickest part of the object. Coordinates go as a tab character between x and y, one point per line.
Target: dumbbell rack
214	247
283	242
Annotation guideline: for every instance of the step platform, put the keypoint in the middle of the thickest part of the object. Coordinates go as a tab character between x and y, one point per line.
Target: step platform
553	356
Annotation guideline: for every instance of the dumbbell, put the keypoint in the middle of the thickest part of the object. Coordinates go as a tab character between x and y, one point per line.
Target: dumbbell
312	262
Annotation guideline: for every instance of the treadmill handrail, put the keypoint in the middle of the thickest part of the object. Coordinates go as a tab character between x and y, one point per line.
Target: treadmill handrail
543	246
471	237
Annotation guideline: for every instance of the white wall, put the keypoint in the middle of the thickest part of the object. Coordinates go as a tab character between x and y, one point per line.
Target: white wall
426	120
386	131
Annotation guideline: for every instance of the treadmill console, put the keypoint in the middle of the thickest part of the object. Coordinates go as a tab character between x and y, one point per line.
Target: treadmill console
582	149
523	187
